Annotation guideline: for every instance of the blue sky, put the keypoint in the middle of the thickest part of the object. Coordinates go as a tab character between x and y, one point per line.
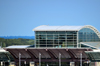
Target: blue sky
19	17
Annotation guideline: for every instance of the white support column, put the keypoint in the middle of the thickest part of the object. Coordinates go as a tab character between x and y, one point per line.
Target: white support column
59	59
80	59
35	40
77	39
19	59
39	59
46	39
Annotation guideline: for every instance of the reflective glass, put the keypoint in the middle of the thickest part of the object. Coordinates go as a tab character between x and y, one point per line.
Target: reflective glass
49	41
42	41
69	37
42	36
62	37
37	41
61	32
50	32
87	35
43	45
55	41
49	36
61	41
69	41
55	38
50	45
41	32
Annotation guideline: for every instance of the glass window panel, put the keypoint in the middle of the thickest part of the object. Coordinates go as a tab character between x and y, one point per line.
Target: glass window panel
75	45
71	32
61	32
50	32
69	37
70	42
61	41
80	40
37	41
75	41
55	32
42	37
42	45
88	35
56	45
42	41
70	46
62	37
56	37
36	32
49	45
55	41
41	32
75	37
49	41
49	36
64	44
37	45
37	36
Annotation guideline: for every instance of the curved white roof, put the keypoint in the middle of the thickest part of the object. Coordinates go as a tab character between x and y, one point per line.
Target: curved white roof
65	28
57	28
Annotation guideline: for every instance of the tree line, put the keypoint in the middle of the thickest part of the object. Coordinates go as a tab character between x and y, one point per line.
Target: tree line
19	41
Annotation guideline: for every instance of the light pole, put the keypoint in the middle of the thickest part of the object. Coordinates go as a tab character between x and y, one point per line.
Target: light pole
80	59
59	59
19	59
39	59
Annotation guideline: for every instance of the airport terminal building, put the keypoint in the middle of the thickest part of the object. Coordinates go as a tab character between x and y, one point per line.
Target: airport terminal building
65	36
61	46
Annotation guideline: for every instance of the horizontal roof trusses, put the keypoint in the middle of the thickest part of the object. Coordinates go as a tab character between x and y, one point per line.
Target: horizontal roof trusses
51	53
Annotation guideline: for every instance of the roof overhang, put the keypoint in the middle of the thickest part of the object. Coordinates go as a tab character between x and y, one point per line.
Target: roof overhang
49	54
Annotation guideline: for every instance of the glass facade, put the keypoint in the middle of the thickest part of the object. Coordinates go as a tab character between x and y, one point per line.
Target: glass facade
88	35
65	38
56	38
